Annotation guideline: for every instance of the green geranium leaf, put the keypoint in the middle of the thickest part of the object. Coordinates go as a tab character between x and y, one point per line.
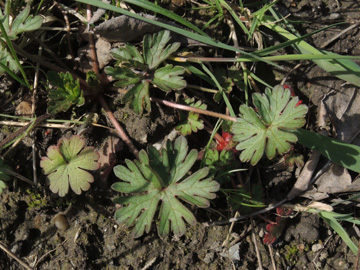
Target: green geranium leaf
124	75
139	71
269	127
139	98
154	50
65	93
68	163
189	121
3	175
221	164
22	23
162	178
13	28
130	55
167	78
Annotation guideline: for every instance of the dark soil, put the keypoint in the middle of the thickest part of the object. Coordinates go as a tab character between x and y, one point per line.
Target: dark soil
34	221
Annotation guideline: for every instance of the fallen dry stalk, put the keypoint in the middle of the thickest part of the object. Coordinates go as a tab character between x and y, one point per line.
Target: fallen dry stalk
12	255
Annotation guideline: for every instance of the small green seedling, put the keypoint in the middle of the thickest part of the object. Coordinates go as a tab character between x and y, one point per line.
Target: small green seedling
268	128
138	70
69	163
189	121
222	164
65	93
3	175
162	177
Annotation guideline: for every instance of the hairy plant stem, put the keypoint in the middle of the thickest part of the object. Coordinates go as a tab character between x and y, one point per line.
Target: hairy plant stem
100	97
192	109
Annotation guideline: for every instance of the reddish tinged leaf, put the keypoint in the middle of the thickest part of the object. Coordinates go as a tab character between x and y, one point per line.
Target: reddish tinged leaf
275	229
225	142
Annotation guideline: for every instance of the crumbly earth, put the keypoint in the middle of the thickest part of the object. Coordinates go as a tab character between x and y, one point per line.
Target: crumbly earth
93	240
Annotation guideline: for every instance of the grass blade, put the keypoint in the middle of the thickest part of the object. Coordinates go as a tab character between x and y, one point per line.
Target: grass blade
341	232
347	155
171	15
344	69
189	34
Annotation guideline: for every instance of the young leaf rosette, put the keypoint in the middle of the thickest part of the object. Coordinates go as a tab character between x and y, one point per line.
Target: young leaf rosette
162	178
140	71
69	164
269	127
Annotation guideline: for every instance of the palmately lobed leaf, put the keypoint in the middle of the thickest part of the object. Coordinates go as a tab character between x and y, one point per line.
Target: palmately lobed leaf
268	129
68	164
123	75
139	71
129	54
167	78
162	179
189	121
23	23
154	50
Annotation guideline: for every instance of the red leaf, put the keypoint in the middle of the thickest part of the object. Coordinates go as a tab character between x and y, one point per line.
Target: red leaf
275	229
225	142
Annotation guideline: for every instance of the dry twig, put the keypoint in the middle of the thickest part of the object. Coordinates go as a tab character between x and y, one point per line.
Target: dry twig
12	255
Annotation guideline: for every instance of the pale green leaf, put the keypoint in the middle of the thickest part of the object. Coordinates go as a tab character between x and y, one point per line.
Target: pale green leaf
268	129
68	164
22	23
162	179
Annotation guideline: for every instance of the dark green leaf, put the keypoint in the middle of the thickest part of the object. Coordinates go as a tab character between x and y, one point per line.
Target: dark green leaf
189	121
139	98
124	75
65	93
154	50
162	179
167	78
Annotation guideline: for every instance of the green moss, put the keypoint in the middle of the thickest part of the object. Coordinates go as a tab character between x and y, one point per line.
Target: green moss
291	254
35	200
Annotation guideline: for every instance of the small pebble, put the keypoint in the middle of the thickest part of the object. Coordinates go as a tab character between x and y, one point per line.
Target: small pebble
316	247
334	16
61	222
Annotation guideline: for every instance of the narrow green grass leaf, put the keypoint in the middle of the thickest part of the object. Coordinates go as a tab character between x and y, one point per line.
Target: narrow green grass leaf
344	69
341	232
347	155
171	15
189	34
